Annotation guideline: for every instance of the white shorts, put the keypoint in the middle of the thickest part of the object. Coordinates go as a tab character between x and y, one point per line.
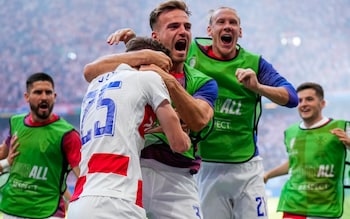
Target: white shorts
232	191
101	207
169	192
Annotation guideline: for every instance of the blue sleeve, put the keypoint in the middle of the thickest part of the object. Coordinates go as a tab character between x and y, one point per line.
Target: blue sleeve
208	92
269	76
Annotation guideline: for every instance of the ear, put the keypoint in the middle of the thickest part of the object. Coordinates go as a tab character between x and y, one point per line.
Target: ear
154	35
209	32
240	32
26	97
323	103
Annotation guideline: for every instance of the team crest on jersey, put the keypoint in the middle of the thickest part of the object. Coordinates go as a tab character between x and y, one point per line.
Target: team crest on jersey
43	146
192	62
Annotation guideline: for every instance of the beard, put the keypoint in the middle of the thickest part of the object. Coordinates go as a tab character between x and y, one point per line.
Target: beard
39	113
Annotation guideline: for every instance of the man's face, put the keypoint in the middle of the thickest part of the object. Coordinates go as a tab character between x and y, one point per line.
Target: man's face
225	30
310	106
41	98
173	30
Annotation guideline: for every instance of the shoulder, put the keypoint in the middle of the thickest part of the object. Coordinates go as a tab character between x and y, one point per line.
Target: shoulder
18	116
192	72
293	127
150	77
247	53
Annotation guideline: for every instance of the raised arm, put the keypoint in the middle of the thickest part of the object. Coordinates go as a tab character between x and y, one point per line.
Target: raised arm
121	35
249	79
109	63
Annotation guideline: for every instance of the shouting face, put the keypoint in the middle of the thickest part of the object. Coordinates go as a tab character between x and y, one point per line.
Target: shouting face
225	29
41	98
173	30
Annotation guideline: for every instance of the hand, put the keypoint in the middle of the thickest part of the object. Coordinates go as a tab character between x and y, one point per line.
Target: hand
248	78
157	58
342	136
13	149
123	35
4	150
152	67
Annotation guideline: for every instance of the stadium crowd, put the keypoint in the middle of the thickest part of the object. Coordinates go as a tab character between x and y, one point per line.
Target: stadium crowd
60	37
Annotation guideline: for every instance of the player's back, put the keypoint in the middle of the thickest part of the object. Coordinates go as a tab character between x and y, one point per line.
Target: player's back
113	117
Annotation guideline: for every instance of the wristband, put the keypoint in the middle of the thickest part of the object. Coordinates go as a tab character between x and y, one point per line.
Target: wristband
4	164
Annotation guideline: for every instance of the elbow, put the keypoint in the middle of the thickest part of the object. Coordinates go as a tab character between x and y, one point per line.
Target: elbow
180	149
199	126
293	99
88	72
200	123
183	145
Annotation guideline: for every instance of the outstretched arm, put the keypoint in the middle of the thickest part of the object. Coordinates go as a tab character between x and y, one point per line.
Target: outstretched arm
278	171
109	63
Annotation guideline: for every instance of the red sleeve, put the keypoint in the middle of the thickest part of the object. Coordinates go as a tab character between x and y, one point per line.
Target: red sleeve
71	148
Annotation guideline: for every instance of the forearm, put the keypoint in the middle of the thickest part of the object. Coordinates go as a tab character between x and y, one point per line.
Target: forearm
109	63
278	171
195	113
76	171
278	95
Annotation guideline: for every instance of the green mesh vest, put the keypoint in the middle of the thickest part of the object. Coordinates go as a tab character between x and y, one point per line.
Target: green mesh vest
316	164
37	176
194	81
237	109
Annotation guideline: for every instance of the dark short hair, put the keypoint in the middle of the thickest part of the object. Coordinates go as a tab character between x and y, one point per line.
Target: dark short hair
138	43
311	85
39	76
167	6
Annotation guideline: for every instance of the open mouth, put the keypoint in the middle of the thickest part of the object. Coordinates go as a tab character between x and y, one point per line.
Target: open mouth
180	45
226	38
304	110
43	105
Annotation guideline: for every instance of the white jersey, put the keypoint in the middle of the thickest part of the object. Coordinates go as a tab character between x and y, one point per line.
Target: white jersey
113	120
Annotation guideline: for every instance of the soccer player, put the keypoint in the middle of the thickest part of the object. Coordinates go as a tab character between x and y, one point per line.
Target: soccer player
230	180
170	190
116	110
316	149
49	148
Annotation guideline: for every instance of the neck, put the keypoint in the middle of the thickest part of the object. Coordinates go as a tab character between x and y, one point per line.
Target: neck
177	67
315	123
